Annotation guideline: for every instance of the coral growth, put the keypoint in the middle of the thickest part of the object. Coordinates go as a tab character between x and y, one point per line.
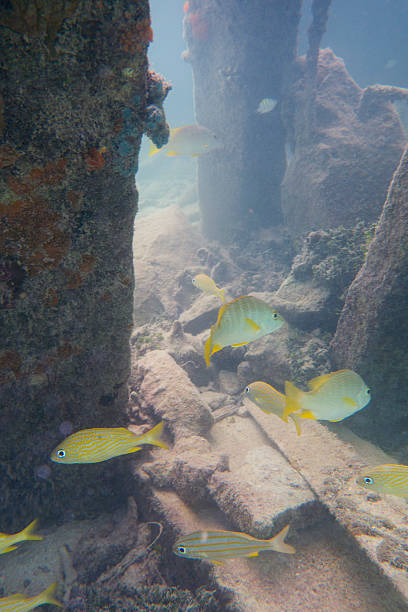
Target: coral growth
136	37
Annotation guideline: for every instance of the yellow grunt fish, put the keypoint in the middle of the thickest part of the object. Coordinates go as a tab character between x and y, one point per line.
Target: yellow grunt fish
333	397
216	546
270	401
188	140
206	284
7	541
101	444
390	479
20	603
239	322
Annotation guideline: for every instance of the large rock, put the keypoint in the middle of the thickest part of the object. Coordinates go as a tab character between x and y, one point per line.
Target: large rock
72	111
163	389
164	244
372	333
338	174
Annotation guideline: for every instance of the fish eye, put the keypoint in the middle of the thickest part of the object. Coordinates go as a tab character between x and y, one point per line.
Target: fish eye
368	480
181	549
61	453
275	315
246	389
368	391
193	280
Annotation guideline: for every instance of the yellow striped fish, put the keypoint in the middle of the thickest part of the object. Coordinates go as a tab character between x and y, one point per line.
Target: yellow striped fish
239	322
270	401
206	284
101	444
20	603
390	479
332	397
216	546
7	541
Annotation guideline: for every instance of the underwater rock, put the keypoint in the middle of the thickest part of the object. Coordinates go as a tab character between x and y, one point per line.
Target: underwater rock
372	332
338	173
165	391
162	244
106	543
228	382
66	218
201	314
263	493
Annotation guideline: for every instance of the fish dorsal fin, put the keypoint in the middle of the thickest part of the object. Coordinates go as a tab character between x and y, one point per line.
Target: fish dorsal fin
319	381
254	326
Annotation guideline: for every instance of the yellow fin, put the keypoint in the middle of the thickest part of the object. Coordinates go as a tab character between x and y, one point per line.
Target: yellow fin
307	414
349	401
195	154
315	383
133	450
278	543
28	532
239	344
153	149
296	420
254	326
216	562
255	554
207	347
293	395
171	153
9	549
48	596
221	293
153	436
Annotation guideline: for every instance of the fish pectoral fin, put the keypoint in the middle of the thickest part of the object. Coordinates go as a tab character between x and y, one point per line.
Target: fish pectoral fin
254	326
307	414
296	420
349	401
239	344
9	549
293	395
172	153
254	554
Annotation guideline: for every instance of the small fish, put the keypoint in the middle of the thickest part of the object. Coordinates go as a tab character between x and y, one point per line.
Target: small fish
188	140
20	603
206	284
7	541
216	546
333	397
239	322
270	401
266	106
101	444
390	479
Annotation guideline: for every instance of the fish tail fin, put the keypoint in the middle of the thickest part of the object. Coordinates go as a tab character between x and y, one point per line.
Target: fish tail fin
154	435
221	293
296	419
28	532
293	395
48	596
278	542
153	149
208	347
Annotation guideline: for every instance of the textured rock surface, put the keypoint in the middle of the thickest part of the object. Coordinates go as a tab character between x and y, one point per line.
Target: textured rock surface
163	389
372	333
235	62
72	103
338	174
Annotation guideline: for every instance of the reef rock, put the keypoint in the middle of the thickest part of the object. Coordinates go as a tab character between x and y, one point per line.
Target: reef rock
163	390
342	160
372	333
